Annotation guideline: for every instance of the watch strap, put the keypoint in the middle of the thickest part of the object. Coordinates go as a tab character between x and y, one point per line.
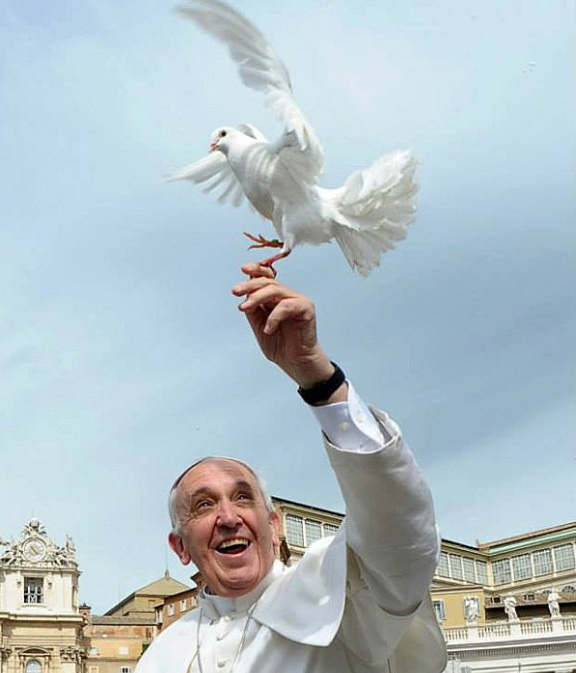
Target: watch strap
323	390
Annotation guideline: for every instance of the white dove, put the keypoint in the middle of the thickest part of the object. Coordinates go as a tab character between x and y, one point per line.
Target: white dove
366	216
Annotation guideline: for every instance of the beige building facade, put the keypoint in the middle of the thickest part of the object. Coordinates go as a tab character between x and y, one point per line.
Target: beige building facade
40	623
507	606
42	627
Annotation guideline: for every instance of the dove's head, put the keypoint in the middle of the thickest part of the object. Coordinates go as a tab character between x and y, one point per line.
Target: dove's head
221	139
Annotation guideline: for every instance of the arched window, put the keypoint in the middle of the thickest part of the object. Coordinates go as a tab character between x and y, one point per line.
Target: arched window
569	589
33	666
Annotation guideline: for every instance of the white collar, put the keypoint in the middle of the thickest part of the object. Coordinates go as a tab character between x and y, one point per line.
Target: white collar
215	606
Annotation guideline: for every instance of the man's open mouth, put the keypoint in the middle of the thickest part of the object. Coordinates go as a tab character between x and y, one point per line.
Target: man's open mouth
235	546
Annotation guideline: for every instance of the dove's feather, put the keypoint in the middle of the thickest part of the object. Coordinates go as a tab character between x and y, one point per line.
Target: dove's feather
295	161
252	131
376	206
215	168
203	169
362	249
260	69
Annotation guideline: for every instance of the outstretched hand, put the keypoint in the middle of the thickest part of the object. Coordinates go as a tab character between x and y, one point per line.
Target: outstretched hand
284	323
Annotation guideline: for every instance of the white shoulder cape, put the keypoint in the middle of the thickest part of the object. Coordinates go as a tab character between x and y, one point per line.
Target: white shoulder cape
306	605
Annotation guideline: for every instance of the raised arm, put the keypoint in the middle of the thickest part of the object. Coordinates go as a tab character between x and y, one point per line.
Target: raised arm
389	512
284	323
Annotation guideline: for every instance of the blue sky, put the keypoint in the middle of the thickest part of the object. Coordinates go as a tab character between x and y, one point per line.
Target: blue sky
122	355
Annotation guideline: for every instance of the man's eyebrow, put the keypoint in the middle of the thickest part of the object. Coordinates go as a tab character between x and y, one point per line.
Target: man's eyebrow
246	485
207	490
199	492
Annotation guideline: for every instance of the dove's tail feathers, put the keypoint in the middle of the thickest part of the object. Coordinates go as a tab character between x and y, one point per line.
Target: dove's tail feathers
360	249
375	208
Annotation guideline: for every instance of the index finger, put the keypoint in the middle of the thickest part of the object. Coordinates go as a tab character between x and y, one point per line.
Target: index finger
256	270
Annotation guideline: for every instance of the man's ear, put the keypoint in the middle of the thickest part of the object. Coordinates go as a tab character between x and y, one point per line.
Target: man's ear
274	520
177	546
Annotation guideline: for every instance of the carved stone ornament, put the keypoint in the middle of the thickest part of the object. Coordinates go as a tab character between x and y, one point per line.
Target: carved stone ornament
5	652
72	653
35	548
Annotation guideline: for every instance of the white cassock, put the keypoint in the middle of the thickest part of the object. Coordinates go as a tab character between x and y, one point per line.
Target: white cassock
357	602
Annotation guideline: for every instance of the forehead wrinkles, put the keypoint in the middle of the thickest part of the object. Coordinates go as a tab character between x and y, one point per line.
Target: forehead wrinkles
194	482
215	459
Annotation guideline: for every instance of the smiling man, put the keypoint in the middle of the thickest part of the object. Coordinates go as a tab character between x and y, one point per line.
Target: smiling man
357	602
221	522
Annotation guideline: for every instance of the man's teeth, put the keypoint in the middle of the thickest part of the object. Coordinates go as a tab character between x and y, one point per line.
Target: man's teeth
237	544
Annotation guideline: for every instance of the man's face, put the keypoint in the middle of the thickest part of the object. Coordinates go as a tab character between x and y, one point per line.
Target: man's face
225	528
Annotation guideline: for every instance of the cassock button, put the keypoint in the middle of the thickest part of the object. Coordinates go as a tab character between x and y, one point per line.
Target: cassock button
221	663
345	426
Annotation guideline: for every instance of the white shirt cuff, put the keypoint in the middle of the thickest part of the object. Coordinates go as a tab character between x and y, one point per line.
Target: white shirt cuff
350	426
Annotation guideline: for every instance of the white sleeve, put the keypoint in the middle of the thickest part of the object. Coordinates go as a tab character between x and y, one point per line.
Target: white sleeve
350	425
389	520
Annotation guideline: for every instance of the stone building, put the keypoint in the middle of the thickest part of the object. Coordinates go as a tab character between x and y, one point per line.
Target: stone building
510	605
507	606
41	628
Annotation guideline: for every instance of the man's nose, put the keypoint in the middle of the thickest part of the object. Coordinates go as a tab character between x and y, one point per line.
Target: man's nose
228	515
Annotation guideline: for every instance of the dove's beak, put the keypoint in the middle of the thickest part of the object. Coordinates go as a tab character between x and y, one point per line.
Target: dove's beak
213	146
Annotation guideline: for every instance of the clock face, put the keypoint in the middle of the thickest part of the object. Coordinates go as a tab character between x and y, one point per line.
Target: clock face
34	550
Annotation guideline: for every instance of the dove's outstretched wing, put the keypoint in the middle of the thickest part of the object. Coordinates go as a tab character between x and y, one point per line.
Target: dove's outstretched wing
262	70
216	170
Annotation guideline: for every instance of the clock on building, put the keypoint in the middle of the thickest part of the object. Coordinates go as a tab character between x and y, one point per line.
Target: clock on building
34	549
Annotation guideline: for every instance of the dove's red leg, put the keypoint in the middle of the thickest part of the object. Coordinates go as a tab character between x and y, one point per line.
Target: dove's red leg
261	242
271	260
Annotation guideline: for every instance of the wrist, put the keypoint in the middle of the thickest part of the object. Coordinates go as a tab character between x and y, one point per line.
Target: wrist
312	372
309	369
330	388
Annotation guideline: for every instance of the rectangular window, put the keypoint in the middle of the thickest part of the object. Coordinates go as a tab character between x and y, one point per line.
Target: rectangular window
294	530
481	572
330	529
439	610
442	569
468	564
501	571
542	562
313	531
456	567
522	567
33	590
170	609
125	669
183	604
564	557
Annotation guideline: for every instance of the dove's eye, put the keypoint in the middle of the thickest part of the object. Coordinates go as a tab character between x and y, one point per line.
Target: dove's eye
222	134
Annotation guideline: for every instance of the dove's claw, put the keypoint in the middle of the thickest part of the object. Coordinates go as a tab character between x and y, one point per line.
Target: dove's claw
274	272
269	262
261	242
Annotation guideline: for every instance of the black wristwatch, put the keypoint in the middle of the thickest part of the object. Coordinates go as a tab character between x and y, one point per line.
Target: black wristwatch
323	390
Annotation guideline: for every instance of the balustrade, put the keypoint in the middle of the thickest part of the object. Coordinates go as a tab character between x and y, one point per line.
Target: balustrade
517	630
